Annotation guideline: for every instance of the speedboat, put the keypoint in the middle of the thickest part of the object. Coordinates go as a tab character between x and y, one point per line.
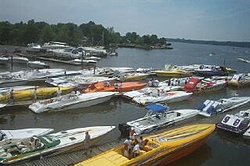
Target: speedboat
7	136
162	97
19	60
212	107
240	80
71	101
37	65
158	116
115	87
237	123
50	144
3	60
28	94
201	85
161	149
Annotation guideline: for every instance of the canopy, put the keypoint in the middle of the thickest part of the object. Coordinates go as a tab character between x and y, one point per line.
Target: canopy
157	107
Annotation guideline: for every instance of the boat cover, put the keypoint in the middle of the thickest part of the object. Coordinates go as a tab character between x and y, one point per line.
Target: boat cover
157	107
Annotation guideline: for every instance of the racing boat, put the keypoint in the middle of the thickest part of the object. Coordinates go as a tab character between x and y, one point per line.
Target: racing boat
213	107
158	116
71	101
51	144
161	149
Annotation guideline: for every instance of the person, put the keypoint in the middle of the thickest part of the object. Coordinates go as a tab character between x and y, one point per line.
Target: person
136	149
127	147
86	142
11	99
132	133
35	94
59	92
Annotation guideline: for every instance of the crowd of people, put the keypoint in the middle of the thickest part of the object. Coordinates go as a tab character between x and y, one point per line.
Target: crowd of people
133	145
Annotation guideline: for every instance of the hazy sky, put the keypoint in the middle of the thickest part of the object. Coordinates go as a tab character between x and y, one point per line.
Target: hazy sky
223	20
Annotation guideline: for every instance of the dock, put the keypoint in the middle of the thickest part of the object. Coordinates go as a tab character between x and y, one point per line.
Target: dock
68	159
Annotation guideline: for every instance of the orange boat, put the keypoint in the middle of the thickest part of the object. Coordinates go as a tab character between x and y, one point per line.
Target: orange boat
115	87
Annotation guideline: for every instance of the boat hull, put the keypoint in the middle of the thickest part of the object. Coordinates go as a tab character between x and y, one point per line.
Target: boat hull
164	147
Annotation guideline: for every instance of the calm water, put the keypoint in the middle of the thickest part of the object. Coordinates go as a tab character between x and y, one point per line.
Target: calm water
221	148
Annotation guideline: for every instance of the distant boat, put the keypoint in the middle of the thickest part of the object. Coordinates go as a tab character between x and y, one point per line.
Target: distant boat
4	60
19	60
37	65
243	60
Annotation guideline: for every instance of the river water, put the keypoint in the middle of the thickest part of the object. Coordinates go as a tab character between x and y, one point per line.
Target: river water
221	148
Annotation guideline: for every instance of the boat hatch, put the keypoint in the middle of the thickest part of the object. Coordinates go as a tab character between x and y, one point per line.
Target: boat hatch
72	138
64	132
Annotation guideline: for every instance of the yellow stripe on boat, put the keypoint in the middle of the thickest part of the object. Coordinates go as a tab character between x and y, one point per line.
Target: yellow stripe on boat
162	148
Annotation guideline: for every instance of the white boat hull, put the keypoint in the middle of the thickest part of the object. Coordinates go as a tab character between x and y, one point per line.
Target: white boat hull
67	103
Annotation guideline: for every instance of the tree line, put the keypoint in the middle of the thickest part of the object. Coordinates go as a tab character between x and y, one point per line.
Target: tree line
86	34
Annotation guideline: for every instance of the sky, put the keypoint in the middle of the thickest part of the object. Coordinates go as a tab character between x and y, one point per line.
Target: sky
219	20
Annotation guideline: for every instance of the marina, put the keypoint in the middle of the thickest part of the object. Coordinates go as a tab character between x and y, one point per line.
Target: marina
120	110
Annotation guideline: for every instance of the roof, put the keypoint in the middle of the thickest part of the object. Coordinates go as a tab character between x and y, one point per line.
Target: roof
157	107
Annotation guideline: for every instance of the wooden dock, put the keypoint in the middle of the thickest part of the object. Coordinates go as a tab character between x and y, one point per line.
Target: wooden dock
72	158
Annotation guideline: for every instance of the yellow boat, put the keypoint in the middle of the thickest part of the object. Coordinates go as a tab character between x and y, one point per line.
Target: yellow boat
161	149
172	73
28	94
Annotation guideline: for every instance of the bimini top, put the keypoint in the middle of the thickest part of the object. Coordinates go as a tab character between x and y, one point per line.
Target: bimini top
157	107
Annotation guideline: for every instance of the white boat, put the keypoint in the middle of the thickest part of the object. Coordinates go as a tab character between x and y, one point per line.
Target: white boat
212	107
19	60
7	136
71	101
162	97
51	144
37	65
4	60
236	123
158	116
79	81
83	61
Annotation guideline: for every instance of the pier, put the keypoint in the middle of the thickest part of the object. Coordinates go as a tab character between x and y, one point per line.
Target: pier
68	159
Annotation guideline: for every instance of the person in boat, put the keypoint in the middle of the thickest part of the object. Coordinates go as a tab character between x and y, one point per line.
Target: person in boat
136	149
155	83
35	94
132	133
86	142
22	147
11	98
150	83
143	143
127	147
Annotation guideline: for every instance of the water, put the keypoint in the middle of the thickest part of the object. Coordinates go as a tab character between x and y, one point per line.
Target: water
221	148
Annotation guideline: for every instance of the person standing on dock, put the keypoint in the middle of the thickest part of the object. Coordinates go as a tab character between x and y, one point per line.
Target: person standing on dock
86	142
59	92
11	98
35	95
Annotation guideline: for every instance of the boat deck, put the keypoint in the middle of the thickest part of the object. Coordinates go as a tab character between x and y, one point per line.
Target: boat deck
72	158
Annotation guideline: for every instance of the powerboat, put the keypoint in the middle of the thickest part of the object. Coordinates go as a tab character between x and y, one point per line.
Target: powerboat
71	101
161	149
237	123
37	65
202	85
50	144
240	80
161	97
212	107
157	116
115	86
7	136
